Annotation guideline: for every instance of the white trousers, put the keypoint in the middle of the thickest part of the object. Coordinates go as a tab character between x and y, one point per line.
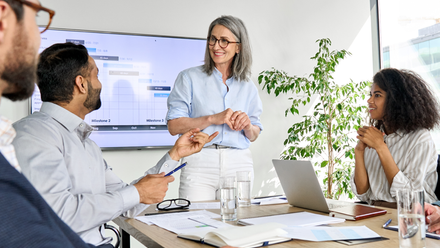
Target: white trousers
200	178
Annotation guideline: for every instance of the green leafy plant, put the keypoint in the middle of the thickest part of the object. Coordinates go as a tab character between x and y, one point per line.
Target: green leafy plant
329	132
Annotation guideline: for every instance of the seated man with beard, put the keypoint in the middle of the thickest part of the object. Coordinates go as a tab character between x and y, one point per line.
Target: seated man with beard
66	167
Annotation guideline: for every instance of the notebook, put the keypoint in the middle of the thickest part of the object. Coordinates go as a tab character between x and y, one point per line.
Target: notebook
356	212
302	189
238	236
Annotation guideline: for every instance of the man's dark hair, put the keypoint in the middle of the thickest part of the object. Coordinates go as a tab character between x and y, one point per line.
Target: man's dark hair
409	103
58	67
17	7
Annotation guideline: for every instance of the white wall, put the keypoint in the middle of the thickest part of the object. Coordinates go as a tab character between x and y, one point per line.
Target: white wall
282	33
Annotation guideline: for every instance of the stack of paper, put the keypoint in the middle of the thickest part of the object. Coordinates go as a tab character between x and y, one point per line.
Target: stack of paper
330	233
305	226
199	225
184	222
293	219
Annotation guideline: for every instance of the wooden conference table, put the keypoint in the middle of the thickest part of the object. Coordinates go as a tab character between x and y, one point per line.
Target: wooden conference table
154	236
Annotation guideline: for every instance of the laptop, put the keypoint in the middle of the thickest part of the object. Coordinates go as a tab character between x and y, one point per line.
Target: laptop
301	186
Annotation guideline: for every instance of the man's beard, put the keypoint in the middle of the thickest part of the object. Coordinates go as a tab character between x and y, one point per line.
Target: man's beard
93	100
20	68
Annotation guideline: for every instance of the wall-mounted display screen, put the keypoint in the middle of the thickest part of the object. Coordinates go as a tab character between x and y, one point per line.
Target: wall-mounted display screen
137	73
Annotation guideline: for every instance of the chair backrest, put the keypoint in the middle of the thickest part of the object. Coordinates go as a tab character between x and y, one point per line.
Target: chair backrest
437	188
117	234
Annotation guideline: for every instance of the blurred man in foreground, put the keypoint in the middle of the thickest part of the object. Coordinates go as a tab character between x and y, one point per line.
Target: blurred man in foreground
27	220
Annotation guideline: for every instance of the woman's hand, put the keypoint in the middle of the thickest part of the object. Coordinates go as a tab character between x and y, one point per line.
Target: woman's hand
223	117
432	214
371	137
240	120
360	146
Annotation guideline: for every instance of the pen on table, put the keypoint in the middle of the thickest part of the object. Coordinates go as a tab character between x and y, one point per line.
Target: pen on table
269	196
164	212
386	223
176	169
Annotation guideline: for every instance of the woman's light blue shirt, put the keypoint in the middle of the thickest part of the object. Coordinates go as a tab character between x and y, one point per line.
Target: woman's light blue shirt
196	94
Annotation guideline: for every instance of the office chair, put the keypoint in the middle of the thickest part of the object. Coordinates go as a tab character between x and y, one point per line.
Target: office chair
117	234
437	188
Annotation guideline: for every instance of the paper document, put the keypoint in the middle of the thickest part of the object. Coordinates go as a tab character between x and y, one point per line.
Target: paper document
152	219
293	219
269	200
205	205
330	233
190	225
185	222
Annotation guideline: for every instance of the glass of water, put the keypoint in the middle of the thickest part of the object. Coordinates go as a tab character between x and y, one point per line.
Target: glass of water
244	188
228	199
411	217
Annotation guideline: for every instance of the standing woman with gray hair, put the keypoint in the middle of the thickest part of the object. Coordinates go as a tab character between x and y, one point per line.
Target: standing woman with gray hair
217	97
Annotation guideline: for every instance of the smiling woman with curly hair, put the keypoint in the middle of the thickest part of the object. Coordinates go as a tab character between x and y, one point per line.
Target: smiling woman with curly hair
397	150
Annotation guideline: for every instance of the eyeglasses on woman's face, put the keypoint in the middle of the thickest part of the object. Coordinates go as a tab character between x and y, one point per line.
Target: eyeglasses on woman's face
223	43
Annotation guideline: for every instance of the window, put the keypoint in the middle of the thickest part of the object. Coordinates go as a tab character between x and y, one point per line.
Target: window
410	39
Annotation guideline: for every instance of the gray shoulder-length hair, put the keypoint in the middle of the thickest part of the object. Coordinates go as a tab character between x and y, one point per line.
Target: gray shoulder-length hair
242	62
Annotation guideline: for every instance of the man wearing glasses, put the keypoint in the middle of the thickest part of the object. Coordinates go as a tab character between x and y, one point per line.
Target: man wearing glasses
26	218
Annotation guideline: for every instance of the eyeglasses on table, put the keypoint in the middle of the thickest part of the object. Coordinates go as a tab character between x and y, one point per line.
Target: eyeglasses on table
172	204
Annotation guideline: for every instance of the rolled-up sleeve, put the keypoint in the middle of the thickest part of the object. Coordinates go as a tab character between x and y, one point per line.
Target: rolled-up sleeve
255	109
179	101
414	174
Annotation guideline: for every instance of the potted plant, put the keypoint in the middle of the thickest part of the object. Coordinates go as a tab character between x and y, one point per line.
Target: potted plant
337	113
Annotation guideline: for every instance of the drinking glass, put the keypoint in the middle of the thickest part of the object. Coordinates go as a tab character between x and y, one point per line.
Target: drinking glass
244	188
411	218
228	199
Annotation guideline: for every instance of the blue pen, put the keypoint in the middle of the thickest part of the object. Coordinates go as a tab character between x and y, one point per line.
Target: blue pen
386	223
178	168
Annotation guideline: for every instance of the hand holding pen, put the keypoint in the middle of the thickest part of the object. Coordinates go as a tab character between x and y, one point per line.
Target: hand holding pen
153	187
176	169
